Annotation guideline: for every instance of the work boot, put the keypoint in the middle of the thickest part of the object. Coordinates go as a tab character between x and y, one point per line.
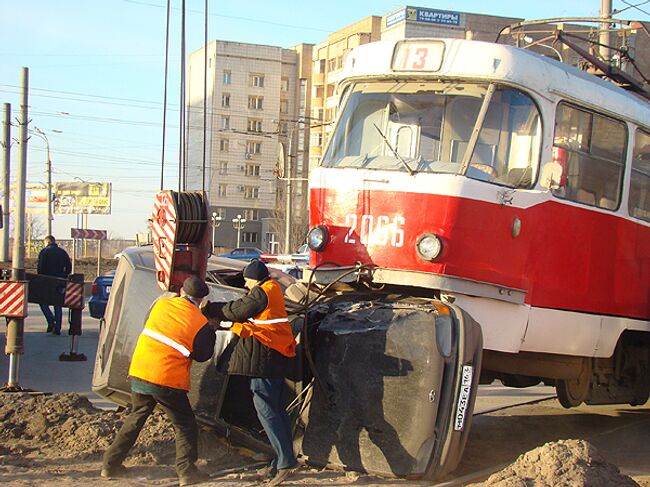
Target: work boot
266	473
282	475
116	472
194	476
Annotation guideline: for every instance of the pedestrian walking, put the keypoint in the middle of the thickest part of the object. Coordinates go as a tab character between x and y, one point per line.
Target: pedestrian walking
53	261
264	352
175	333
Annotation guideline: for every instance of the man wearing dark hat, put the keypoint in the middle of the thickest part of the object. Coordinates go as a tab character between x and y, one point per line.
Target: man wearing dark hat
175	333
263	350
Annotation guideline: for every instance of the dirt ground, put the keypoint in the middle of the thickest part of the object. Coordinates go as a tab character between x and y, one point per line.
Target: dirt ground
58	439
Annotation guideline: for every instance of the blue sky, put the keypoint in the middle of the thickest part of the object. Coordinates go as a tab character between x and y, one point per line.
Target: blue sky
97	72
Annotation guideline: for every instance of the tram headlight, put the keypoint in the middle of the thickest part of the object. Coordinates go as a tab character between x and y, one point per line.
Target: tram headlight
429	246
317	238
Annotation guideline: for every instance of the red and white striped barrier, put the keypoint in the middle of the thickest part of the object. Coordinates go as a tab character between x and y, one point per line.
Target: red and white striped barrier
73	295
163	230
13	299
88	234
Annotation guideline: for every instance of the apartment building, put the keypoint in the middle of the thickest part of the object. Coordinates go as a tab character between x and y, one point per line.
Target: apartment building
251	110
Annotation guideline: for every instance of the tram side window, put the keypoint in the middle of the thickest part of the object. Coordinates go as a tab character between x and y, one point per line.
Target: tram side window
639	200
507	150
590	150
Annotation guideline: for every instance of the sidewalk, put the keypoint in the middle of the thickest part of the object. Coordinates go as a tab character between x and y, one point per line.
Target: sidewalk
39	366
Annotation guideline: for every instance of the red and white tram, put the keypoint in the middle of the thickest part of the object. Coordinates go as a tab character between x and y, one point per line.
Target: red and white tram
505	182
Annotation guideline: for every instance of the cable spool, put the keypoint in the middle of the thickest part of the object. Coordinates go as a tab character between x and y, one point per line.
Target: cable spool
192	217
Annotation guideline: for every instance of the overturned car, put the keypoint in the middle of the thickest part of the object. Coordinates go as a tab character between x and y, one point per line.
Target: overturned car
382	383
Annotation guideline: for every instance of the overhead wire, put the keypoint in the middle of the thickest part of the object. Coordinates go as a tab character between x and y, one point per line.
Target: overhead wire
205	87
164	121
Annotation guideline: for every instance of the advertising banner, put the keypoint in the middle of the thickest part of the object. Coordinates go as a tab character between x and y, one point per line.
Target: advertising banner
35	199
77	198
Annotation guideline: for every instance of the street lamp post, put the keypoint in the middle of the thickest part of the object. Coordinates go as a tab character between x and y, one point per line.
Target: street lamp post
216	221
48	167
239	223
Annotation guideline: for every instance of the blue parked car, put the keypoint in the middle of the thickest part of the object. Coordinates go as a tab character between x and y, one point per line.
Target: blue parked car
99	296
243	253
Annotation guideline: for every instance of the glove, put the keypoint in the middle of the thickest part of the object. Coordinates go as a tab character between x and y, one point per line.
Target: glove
213	311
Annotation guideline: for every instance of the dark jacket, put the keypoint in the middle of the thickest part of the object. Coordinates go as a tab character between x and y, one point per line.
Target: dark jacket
248	356
54	261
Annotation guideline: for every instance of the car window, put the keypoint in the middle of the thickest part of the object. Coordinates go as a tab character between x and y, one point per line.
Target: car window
238	251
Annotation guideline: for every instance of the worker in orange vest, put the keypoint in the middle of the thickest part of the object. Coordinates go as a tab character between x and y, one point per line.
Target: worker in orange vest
175	333
263	350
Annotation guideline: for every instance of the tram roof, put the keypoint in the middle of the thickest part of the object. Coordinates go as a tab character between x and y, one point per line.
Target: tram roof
488	61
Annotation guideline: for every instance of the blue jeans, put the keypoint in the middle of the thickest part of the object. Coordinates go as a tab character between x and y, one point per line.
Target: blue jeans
53	320
268	398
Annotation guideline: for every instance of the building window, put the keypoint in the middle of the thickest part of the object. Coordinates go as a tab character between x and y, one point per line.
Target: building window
283	128
331	64
225	122
339	62
223	188
249	237
223	167
221	212
225	100
227	77
254	125
255	102
316	139
257	80
284	106
284	84
251	192
318	114
330	90
253	147
252	215
319	66
223	145
252	169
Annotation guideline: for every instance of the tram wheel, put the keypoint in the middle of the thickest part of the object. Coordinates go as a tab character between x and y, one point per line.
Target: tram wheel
573	392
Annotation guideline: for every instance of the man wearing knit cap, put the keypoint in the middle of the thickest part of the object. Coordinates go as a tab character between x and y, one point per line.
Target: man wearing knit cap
175	333
263	350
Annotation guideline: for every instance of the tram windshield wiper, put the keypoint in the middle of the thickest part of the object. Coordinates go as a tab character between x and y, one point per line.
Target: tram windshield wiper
399	158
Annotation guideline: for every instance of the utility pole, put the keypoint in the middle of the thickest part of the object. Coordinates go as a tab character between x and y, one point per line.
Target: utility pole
15	326
605	34
6	171
288	215
48	170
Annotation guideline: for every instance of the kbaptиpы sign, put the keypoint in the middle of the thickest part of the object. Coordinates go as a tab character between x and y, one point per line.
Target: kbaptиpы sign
77	198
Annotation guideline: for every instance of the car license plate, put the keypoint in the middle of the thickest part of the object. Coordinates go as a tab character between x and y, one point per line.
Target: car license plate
108	289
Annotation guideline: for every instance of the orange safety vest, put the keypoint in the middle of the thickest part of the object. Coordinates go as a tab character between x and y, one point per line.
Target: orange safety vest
271	327
162	354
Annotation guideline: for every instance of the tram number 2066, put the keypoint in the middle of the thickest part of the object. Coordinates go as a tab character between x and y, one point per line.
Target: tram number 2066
374	230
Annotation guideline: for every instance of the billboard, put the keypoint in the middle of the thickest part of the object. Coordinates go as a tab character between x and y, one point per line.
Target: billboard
35	199
77	198
424	15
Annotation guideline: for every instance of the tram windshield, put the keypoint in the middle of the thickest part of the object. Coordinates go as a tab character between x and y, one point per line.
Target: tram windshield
427	127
